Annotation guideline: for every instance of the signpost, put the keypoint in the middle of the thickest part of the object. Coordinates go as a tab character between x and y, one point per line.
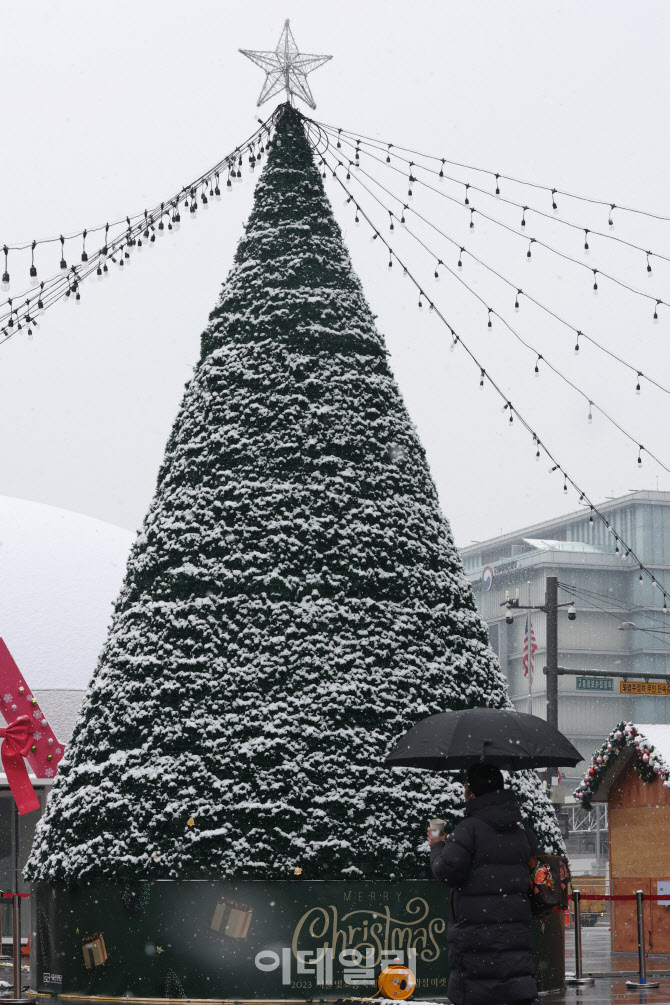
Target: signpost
644	687
594	684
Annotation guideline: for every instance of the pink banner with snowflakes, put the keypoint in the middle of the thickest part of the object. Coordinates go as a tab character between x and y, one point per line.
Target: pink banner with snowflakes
17	699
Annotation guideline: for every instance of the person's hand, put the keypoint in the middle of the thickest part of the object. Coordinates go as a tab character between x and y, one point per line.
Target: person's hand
433	839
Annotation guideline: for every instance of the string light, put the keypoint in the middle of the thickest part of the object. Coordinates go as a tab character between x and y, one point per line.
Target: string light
639	456
538	303
610	219
586	241
5	274
516	302
638	386
649	269
537	366
590	415
553	200
655	317
595	280
490	311
490	322
577	342
33	268
482	375
377	144
497	186
523	217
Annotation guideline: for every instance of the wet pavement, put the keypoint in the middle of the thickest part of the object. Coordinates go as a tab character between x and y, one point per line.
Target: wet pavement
599	960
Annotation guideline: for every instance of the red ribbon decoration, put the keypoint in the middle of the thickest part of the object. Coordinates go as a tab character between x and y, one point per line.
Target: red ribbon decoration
15	745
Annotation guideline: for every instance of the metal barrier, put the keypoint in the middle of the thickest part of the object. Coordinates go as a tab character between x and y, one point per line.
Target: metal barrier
639	898
579	975
642	982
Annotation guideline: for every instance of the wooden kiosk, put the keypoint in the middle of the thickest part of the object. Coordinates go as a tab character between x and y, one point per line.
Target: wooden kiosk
631	773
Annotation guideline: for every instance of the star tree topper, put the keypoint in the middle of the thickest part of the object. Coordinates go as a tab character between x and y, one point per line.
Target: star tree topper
286	68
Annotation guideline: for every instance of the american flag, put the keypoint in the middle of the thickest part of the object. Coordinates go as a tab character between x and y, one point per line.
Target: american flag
530	634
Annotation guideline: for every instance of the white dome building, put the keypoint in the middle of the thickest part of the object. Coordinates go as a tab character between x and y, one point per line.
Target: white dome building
60	573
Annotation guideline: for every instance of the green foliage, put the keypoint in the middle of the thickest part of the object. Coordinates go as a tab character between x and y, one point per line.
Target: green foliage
293	603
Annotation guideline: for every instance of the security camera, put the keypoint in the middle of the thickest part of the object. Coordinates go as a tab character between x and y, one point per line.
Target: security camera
509	619
572	613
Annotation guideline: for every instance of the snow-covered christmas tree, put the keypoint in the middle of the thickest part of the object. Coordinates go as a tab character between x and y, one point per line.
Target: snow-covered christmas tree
293	603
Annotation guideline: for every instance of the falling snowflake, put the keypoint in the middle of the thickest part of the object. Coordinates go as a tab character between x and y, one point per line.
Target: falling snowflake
48	772
8	697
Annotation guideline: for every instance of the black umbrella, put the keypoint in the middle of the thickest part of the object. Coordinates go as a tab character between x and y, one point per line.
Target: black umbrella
499	736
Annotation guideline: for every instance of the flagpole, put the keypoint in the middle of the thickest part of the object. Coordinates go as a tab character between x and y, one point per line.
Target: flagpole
530	652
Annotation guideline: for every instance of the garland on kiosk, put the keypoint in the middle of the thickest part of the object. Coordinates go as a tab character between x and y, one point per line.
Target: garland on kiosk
648	762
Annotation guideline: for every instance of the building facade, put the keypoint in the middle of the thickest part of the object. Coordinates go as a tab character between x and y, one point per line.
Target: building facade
620	622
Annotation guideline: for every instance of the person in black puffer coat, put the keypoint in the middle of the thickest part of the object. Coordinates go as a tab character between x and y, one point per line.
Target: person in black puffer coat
485	861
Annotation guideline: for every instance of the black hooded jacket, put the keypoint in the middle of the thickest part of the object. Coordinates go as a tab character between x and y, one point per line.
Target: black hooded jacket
485	861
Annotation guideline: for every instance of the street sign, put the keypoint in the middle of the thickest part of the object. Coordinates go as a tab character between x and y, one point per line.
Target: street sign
487	579
594	684
659	687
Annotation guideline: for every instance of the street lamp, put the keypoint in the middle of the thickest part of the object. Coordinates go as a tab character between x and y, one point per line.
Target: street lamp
628	626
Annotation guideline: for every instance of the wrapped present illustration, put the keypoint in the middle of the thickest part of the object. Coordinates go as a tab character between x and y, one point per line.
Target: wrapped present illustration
93	948
231	918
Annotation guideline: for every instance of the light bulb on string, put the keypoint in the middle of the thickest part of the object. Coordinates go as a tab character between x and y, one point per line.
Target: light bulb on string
217	190
40	303
437	265
639	456
665	604
655	317
517	305
489	323
390	260
467	195
554	205
441	174
420	298
63	263
497	177
565	484
459	264
595	281
84	253
391	223
649	268
537	366
591	517
529	253
590	415
610	219
586	241
5	274
523	216
388	153
472	221
638	386
402	215
640	579
482	374
33	268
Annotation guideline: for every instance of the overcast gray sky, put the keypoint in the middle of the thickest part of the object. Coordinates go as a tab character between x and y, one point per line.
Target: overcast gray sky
108	108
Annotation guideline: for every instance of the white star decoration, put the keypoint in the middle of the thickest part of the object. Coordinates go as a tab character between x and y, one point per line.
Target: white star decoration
286	68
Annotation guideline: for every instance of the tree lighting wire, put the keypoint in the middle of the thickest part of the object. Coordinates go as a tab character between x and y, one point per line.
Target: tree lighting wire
496	175
532	240
573	591
557	317
493	313
620	605
148	218
594	511
50	291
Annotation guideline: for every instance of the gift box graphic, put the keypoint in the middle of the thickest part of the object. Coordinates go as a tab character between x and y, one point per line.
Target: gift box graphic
93	948
231	918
